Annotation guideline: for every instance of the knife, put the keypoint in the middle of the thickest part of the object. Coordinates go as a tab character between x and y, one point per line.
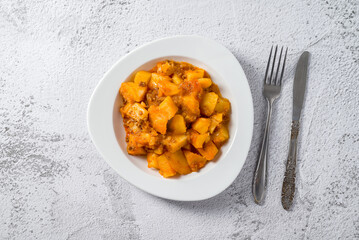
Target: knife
300	80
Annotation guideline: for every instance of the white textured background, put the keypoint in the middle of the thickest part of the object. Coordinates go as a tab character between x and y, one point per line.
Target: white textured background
54	184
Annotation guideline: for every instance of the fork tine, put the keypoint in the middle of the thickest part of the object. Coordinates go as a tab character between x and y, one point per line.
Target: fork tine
285	58
270	55
276	74
271	74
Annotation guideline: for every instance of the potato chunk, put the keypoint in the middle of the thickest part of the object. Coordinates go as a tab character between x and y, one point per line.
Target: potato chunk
205	82
133	150
190	108
191	87
143	139
165	68
176	79
201	125
223	106
208	103
155	78
168	88
165	168
195	161
132	92
216	119
195	74
174	143
159	150
159	115
152	160
197	139
168	107
158	119
177	124
220	135
208	151
135	111
178	162
142	78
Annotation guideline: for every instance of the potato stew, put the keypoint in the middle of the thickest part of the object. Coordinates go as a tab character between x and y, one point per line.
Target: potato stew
176	116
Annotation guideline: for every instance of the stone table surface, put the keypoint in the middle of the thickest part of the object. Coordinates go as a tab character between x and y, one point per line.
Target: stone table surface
55	185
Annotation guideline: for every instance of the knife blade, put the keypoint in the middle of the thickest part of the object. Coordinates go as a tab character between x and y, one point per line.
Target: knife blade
299	85
300	82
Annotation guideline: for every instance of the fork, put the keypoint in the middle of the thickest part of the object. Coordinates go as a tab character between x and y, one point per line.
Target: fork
271	91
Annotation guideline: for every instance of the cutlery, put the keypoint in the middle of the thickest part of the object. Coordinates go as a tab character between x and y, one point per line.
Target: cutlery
271	90
300	80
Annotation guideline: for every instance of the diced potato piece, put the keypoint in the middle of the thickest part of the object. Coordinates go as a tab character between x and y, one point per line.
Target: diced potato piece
168	107
124	109
155	78
152	160
132	92
189	117
160	115
142	139
201	125
197	139
216	119
142	78
190	106
220	135
175	142
208	103
168	88
165	68
208	151
140	93
191	87
159	150
223	106
195	161
148	139
158	119
135	111
213	126
176	79
178	162
195	74
205	82
132	150
165	168
177	124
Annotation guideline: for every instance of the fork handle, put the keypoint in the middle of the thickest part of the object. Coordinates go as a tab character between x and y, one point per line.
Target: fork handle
260	174
288	188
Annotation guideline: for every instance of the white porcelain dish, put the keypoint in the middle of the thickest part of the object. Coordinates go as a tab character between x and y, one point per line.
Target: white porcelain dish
107	132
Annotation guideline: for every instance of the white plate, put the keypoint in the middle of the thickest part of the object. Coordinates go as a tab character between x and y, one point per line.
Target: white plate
107	132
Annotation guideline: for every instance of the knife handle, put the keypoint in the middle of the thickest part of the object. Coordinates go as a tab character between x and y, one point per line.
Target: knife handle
288	188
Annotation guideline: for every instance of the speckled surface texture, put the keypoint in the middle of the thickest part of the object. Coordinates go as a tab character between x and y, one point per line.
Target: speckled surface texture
55	185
